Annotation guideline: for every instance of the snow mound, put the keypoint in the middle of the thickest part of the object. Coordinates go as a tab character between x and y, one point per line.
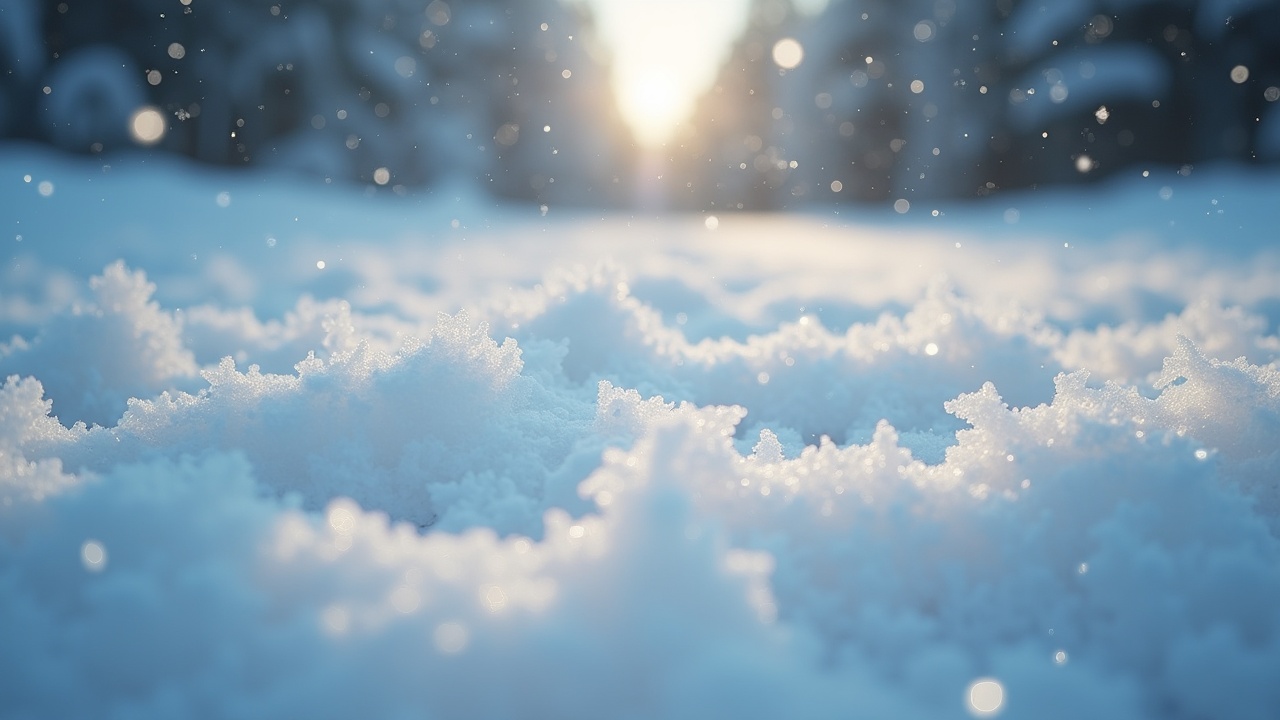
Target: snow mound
94	358
599	517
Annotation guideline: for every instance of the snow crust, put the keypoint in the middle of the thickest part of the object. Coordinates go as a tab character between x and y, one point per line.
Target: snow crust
563	498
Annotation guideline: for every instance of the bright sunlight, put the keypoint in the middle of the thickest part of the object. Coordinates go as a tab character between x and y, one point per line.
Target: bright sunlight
653	104
666	53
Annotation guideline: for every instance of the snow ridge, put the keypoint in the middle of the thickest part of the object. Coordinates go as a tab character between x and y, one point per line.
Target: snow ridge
599	517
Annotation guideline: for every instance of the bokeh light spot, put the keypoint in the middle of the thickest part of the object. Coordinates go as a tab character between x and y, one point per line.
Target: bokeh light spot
405	599
335	620
438	13
451	638
147	125
93	555
507	135
495	598
788	53
986	697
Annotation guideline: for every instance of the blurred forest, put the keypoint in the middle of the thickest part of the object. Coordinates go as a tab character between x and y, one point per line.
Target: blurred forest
400	93
894	99
907	99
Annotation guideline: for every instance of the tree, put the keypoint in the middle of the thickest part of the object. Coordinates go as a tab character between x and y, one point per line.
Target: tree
394	92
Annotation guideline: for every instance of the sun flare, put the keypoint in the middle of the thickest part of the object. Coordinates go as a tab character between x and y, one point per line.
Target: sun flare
653	104
665	54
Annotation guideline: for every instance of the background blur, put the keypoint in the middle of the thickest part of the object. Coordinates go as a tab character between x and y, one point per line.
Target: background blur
818	103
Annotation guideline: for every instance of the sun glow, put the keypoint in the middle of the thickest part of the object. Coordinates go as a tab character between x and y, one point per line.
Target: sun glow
665	54
654	104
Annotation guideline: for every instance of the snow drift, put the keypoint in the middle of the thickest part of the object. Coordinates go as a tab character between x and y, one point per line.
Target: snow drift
568	500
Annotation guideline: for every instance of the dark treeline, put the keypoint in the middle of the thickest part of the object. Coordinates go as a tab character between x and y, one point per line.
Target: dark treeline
894	99
395	92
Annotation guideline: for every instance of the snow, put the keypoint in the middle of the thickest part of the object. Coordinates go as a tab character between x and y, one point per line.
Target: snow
319	451
1087	79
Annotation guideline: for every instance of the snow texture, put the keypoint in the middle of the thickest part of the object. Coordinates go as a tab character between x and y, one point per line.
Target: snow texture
779	468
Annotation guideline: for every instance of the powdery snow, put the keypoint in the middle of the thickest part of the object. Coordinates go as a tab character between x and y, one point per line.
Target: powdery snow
488	464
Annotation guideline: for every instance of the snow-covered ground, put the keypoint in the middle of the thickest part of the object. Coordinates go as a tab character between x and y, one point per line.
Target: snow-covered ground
271	448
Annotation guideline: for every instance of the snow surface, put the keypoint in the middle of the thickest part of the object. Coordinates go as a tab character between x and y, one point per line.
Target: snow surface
270	448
